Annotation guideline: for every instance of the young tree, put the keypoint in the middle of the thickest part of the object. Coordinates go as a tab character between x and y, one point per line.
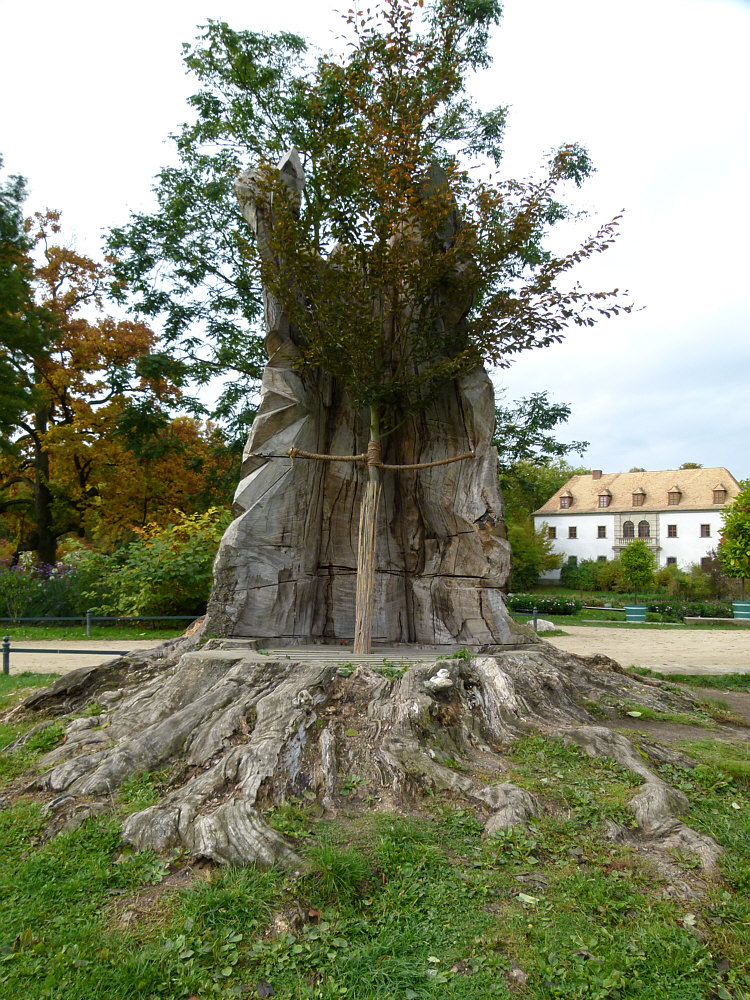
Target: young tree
637	562
734	547
393	221
369	308
533	553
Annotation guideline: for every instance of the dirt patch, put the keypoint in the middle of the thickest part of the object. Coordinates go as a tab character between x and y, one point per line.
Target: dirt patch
151	903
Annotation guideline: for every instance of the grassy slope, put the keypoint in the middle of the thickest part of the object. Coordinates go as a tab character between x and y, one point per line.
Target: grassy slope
389	907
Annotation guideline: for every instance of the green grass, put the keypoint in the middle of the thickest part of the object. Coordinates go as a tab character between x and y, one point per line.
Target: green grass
47	633
10	684
720	682
389	907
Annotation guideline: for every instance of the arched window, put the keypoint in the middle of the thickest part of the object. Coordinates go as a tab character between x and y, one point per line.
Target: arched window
643	529
628	530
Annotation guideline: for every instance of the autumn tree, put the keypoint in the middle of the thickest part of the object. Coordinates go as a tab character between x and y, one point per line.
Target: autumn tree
78	375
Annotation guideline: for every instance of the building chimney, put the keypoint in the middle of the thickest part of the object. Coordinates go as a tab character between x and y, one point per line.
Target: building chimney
596	474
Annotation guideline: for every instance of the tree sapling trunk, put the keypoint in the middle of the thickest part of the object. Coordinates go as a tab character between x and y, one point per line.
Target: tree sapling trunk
366	550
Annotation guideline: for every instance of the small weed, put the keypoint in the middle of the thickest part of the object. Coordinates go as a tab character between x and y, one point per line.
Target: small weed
292	819
454	764
337	876
352	784
391	669
346	669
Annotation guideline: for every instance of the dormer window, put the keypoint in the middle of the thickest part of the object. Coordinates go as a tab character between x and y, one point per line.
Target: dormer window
566	500
673	497
720	493
639	497
605	498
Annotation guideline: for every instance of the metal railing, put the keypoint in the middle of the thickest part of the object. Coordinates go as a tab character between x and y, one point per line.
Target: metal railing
6	651
89	618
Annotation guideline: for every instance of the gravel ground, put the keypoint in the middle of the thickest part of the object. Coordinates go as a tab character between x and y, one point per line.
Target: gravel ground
49	661
714	651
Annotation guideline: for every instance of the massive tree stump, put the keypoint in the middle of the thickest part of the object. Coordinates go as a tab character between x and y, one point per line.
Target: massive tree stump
286	569
239	731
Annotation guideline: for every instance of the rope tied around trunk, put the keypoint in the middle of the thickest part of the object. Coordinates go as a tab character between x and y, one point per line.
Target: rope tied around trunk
371	457
373	453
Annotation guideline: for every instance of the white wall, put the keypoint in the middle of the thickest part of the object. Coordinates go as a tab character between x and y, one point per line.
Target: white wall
687	548
586	545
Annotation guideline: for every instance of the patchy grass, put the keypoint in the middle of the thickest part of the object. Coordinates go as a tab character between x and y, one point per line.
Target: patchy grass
720	682
705	716
15	686
392	907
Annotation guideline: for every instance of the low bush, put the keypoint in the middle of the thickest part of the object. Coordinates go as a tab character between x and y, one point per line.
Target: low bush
543	605
38	591
672	610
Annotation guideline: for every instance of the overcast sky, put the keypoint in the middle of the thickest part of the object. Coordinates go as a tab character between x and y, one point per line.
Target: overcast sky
656	89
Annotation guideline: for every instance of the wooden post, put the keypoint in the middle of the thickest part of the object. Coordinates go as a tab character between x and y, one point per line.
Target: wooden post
368	518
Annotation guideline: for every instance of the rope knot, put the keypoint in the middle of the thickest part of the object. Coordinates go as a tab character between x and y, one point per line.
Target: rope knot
373	453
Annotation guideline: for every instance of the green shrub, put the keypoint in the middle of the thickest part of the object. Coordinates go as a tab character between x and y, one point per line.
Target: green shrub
544	605
168	570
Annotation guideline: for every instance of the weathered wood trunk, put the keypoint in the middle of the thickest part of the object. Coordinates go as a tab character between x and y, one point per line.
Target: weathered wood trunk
287	566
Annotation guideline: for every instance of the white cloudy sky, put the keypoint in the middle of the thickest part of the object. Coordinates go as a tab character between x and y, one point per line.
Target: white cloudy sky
657	90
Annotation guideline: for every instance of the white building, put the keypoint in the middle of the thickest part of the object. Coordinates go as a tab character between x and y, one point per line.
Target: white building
677	513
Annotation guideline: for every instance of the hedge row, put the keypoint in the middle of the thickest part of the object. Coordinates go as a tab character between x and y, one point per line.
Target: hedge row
543	605
672	610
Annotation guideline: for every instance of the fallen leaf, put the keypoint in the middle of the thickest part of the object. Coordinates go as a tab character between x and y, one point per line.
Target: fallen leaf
526	898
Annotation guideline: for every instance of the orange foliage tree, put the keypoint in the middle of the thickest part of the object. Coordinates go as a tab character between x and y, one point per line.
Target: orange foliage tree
90	448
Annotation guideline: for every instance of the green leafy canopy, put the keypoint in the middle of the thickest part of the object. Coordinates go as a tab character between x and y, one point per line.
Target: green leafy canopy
402	197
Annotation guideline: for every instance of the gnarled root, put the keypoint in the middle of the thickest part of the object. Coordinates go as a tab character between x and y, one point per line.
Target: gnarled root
242	731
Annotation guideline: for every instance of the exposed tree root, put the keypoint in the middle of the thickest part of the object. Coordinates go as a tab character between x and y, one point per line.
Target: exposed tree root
243	731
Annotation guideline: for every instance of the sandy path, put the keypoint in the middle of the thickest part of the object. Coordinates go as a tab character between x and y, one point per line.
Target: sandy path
709	652
663	650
